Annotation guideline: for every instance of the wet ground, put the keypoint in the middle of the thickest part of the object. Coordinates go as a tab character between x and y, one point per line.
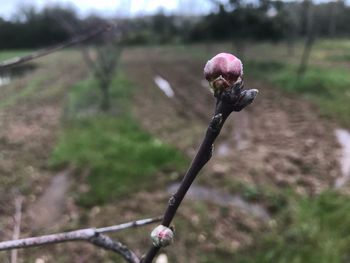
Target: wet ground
224	199
8	75
49	208
31	108
343	137
280	143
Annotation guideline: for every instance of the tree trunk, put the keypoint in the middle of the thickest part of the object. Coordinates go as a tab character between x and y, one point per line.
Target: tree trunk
290	45
309	39
105	99
332	18
305	57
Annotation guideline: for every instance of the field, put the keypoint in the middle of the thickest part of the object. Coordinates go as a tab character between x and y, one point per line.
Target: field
277	161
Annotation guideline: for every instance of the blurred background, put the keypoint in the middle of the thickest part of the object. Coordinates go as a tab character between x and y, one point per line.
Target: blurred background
100	129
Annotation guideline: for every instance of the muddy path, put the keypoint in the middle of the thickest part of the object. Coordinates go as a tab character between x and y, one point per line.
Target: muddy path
279	143
31	109
47	211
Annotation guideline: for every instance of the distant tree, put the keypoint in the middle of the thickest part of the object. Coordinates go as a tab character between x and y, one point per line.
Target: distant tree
107	49
163	27
104	67
33	29
238	21
308	18
291	13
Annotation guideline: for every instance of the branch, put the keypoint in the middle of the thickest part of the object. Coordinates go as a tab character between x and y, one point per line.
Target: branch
108	244
233	99
92	235
17	227
131	224
46	51
72	30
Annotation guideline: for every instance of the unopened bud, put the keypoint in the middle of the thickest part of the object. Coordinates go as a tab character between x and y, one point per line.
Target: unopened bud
223	70
162	236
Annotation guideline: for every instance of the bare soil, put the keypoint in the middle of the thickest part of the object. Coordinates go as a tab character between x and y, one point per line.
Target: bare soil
29	124
280	141
277	144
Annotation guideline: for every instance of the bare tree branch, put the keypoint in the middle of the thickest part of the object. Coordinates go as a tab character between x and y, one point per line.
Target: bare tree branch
72	30
92	235
83	234
46	51
131	224
228	101
108	244
17	227
309	40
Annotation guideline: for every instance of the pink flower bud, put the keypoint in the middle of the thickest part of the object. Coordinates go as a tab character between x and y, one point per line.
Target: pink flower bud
162	236
223	70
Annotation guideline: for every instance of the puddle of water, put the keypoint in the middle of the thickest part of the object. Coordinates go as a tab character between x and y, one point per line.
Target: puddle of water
7	75
4	80
343	137
221	198
164	86
50	205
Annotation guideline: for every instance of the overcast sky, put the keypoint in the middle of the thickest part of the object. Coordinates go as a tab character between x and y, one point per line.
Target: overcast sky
110	7
121	7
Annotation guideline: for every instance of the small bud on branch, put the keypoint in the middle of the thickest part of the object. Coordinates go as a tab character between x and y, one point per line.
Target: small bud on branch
162	236
222	71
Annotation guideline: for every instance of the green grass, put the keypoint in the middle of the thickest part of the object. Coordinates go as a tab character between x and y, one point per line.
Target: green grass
121	157
85	98
326	87
339	57
312	230
333	44
326	82
28	90
7	54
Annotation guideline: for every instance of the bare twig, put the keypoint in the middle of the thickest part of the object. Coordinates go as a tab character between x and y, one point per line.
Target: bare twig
92	235
72	29
131	224
17	225
309	41
46	51
234	99
109	244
